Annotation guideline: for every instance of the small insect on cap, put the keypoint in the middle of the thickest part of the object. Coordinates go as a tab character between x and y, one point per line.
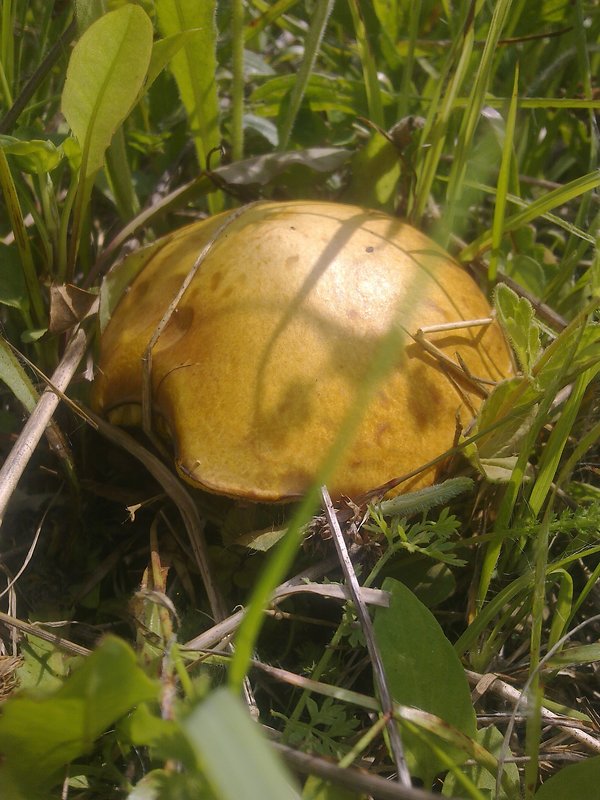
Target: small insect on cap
292	314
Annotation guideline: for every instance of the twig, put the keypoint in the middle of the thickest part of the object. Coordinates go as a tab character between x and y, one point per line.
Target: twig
227	626
41	633
34	428
385	697
356	780
524	692
493	683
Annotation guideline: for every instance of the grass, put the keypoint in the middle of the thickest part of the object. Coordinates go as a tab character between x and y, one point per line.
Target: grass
496	157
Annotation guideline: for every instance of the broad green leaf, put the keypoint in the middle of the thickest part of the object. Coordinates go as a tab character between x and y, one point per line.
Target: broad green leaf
234	756
259	126
264	169
194	67
33	335
528	272
261	541
104	77
574	656
492	740
35	156
13	290
15	377
375	174
72	150
422	671
40	733
517	318
164	737
497	470
44	666
575	781
431	582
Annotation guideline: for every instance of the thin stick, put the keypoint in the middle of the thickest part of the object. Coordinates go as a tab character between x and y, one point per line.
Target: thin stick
385	697
46	636
34	428
493	683
356	780
523	696
227	626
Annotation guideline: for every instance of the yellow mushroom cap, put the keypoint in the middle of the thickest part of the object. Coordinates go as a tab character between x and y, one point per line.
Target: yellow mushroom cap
275	336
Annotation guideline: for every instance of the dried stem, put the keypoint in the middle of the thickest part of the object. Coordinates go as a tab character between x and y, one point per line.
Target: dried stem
40	418
385	697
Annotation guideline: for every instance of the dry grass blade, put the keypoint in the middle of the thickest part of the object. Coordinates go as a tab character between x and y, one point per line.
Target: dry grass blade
383	691
34	630
30	552
178	494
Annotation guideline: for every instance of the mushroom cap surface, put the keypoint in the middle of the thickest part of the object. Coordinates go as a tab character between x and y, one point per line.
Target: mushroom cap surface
273	341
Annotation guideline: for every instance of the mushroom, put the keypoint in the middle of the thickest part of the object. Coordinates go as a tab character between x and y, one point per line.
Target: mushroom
268	347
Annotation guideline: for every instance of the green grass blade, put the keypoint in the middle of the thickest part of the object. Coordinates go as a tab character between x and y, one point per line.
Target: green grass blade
557	441
311	49
270	13
565	103
120	178
557	197
409	63
369	68
7	49
472	116
563	608
15	216
440	110
237	90
232	753
495	606
194	68
15	377
503	180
